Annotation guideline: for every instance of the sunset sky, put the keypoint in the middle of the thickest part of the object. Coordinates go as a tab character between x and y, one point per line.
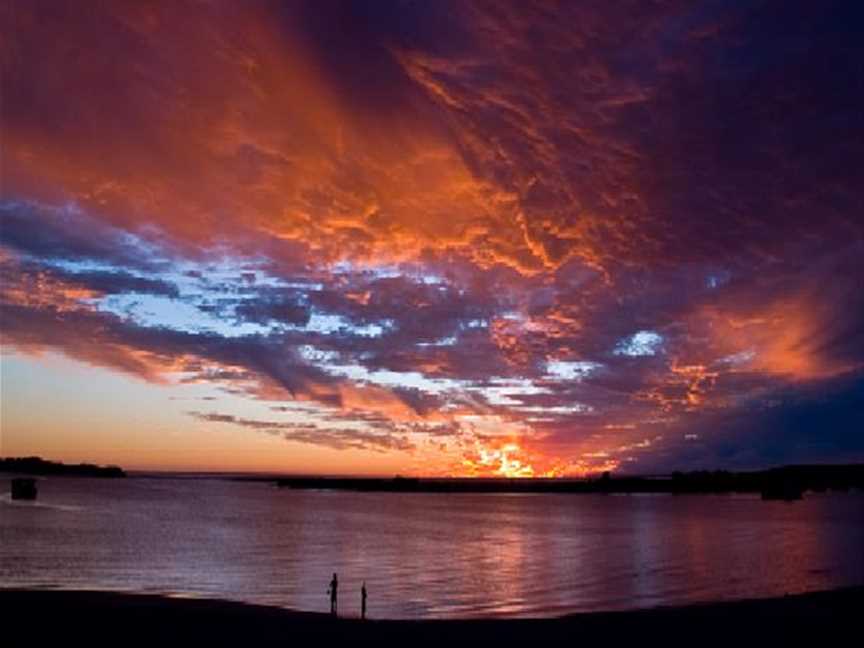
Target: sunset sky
439	238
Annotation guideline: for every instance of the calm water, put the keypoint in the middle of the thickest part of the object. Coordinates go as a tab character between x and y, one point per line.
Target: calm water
426	555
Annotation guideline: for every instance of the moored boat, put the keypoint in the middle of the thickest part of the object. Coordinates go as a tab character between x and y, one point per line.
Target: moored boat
24	488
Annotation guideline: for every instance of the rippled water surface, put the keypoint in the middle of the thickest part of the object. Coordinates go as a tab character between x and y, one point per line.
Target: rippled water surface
425	555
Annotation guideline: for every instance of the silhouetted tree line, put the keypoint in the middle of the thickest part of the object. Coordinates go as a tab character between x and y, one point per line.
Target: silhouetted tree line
782	483
39	466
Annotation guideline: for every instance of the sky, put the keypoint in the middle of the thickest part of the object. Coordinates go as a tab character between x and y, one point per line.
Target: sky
432	238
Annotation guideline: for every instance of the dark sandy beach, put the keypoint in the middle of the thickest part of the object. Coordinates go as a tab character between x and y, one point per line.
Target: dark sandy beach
42	618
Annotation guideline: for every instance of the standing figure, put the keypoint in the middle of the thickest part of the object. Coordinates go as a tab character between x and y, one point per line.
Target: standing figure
363	601
333	591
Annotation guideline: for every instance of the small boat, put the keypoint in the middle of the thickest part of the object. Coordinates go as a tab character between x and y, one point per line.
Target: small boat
24	488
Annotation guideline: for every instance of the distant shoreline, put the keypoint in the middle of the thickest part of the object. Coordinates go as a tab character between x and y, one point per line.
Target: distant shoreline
781	483
785	483
37	466
94	618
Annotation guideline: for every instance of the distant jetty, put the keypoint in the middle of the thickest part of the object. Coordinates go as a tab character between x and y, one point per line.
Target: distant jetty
39	466
785	483
785	491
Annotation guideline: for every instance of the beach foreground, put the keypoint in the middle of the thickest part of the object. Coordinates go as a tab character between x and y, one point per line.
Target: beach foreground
90	618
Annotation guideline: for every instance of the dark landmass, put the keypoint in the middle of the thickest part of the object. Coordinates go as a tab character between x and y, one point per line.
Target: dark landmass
788	482
42	618
39	466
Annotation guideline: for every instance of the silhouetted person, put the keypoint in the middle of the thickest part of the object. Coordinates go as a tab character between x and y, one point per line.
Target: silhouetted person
333	591
363	601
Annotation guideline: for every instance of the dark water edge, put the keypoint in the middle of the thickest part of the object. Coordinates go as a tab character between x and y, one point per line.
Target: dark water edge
102	619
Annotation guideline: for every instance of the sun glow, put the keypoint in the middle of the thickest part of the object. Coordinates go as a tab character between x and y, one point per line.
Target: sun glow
503	461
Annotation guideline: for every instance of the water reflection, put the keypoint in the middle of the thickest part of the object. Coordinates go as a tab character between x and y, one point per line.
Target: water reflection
427	555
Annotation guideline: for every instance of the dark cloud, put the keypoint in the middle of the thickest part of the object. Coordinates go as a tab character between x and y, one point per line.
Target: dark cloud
337	439
68	234
798	425
262	311
109	282
108	340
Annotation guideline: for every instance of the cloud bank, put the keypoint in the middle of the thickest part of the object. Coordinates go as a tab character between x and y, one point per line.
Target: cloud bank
518	238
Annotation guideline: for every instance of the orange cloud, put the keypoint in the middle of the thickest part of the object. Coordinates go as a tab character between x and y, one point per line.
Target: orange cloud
534	185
